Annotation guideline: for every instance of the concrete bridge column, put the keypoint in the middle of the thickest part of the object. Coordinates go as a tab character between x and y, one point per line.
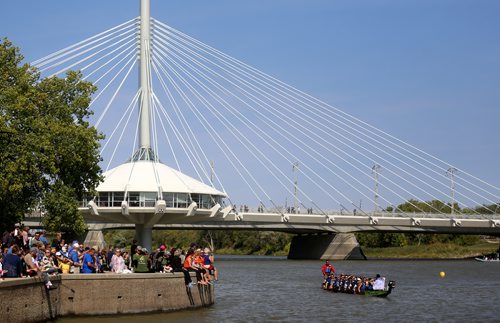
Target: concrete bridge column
94	238
144	234
340	246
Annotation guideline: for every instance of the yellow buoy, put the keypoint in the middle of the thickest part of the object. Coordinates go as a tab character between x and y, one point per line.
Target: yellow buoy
442	274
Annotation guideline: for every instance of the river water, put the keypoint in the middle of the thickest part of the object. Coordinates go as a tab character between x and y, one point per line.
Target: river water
258	289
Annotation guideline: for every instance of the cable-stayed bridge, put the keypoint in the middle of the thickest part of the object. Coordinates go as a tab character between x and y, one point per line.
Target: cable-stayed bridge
248	151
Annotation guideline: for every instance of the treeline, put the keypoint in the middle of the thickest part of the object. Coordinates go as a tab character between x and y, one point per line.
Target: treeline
229	242
436	206
384	240
276	243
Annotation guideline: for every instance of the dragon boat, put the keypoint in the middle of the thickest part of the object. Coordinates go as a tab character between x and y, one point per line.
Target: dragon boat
486	259
373	293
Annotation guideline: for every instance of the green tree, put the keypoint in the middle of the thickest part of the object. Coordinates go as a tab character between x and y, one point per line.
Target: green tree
434	206
50	154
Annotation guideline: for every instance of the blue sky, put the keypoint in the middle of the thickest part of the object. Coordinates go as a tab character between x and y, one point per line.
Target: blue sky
427	72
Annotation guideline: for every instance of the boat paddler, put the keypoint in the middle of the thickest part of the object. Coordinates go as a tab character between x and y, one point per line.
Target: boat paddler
327	269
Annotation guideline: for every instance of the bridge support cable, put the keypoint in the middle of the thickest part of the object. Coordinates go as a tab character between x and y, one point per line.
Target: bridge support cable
179	138
431	177
204	76
46	58
122	40
226	122
423	182
86	42
157	108
210	106
210	133
132	47
184	123
186	147
132	63
188	133
247	92
224	104
261	126
280	84
127	112
217	139
59	60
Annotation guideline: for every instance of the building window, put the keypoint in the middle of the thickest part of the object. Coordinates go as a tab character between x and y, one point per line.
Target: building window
148	199
182	200
133	199
117	199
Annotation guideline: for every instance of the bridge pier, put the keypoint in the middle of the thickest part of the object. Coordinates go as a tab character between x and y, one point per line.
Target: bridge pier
340	246
144	234
94	238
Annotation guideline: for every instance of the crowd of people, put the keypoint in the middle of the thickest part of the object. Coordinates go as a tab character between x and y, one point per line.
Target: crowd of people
25	253
351	284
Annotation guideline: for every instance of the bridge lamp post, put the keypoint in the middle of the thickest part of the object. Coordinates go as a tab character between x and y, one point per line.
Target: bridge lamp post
375	171
295	169
451	174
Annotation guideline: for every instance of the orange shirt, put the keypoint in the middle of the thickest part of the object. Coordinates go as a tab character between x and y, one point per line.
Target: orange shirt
187	262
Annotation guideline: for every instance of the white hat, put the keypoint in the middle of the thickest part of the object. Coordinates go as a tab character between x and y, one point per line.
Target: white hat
76	245
58	253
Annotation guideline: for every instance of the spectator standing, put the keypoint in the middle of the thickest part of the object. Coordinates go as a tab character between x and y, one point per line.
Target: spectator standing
56	243
12	263
89	262
43	238
75	259
26	237
161	259
175	260
6	238
141	260
118	263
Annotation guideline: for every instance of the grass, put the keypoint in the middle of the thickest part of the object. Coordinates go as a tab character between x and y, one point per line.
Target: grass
437	250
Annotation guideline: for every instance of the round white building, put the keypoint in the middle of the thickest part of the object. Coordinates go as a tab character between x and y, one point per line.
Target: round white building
145	192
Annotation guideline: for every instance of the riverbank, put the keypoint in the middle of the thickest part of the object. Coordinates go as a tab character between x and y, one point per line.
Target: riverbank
432	251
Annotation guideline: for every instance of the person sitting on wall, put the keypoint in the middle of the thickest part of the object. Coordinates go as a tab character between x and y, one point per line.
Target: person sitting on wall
197	265
33	269
208	263
47	264
187	268
30	259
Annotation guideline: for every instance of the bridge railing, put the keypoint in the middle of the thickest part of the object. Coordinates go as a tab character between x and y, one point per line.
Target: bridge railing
288	210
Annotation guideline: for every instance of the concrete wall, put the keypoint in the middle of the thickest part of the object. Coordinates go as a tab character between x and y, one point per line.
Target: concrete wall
27	300
340	246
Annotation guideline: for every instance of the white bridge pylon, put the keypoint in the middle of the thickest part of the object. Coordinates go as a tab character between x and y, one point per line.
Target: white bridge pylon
199	107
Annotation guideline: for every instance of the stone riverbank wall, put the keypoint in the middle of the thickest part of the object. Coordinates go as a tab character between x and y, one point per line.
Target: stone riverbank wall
27	299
